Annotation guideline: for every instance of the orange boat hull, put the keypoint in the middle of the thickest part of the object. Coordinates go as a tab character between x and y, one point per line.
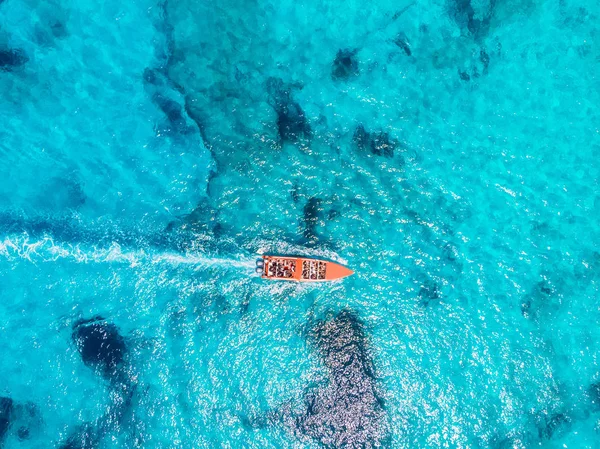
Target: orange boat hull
301	269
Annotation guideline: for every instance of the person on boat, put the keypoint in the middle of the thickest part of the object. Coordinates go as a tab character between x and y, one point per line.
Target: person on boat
305	271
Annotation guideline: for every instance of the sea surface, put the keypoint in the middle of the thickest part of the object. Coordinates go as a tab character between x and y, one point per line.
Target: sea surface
446	150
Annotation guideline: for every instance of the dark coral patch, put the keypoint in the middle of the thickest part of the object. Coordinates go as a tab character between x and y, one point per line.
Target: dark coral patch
382	145
295	193
361	138
100	345
311	217
466	17
594	394
464	75
23	433
428	293
345	65
484	58
174	113
553	426
11	59
151	76
59	30
402	42
340	339
379	144
348	412
292	124
333	214
6	415
539	298
14	415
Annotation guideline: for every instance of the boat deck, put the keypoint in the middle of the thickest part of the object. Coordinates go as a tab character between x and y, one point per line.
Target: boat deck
280	268
301	269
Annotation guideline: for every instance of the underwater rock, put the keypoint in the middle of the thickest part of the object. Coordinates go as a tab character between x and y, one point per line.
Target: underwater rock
12	59
361	138
464	14
6	415
345	65
100	345
477	66
544	288
48	31
594	393
341	339
539	300
168	97
526	308
429	292
279	91
466	17
28	418
450	252
402	42
59	30
295	193
555	425
173	112
151	76
348	412
311	216
23	433
292	124
379	144
20	416
485	60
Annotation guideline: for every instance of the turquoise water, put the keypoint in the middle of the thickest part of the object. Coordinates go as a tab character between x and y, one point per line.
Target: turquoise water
445	150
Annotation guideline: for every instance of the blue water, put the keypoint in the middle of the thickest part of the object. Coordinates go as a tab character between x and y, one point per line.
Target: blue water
445	150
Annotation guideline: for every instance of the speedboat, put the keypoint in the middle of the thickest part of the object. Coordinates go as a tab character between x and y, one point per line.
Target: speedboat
300	269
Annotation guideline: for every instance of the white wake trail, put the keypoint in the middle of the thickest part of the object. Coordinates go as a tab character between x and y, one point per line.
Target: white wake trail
47	250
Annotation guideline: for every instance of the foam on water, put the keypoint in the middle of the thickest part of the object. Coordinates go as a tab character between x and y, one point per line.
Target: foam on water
46	250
